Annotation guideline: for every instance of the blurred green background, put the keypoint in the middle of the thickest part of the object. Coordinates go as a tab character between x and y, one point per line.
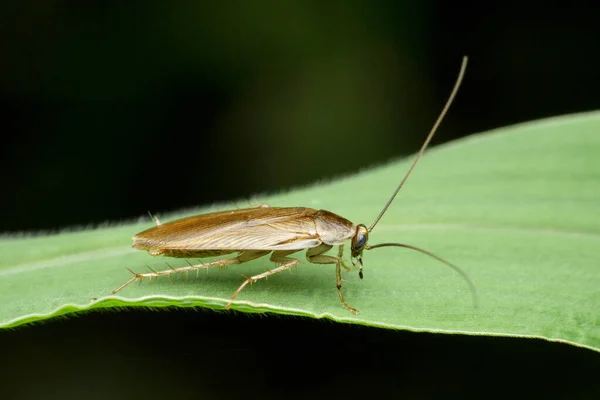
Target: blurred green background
111	108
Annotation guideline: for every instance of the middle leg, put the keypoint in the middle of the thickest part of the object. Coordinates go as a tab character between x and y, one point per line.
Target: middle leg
278	257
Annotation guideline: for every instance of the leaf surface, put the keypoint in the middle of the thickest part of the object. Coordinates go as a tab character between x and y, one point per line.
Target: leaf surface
518	209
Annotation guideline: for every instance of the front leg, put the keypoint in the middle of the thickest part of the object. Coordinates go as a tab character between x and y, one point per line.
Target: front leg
316	256
340	257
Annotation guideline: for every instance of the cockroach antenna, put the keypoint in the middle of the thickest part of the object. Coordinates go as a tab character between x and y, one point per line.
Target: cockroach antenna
463	67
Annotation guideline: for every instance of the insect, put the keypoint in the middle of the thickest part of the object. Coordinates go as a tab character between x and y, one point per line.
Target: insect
252	233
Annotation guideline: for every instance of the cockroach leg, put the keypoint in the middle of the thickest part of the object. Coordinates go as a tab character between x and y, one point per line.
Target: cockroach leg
132	280
256	205
260	205
316	256
341	258
241	258
154	218
338	275
278	257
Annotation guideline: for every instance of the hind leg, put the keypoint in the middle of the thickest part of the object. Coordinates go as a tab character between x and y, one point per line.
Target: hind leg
240	259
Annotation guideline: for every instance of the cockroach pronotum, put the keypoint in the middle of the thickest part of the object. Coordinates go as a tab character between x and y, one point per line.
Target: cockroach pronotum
279	231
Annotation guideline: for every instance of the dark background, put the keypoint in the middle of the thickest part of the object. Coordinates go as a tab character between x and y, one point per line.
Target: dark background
110	109
113	109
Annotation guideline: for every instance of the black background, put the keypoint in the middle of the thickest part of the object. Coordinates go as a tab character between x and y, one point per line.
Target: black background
110	109
195	354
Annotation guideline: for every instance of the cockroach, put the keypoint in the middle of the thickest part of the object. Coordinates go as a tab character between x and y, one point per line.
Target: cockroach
280	231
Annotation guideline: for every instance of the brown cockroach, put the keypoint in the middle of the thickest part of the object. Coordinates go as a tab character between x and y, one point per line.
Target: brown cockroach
279	231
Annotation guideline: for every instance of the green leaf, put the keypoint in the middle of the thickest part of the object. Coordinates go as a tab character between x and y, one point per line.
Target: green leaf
518	209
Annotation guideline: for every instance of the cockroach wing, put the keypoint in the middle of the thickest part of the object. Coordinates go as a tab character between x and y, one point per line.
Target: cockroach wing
261	228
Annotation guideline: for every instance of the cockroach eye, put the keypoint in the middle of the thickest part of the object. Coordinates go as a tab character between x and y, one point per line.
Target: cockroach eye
359	241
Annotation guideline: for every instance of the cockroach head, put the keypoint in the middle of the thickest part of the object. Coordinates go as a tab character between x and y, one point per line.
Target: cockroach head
359	243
